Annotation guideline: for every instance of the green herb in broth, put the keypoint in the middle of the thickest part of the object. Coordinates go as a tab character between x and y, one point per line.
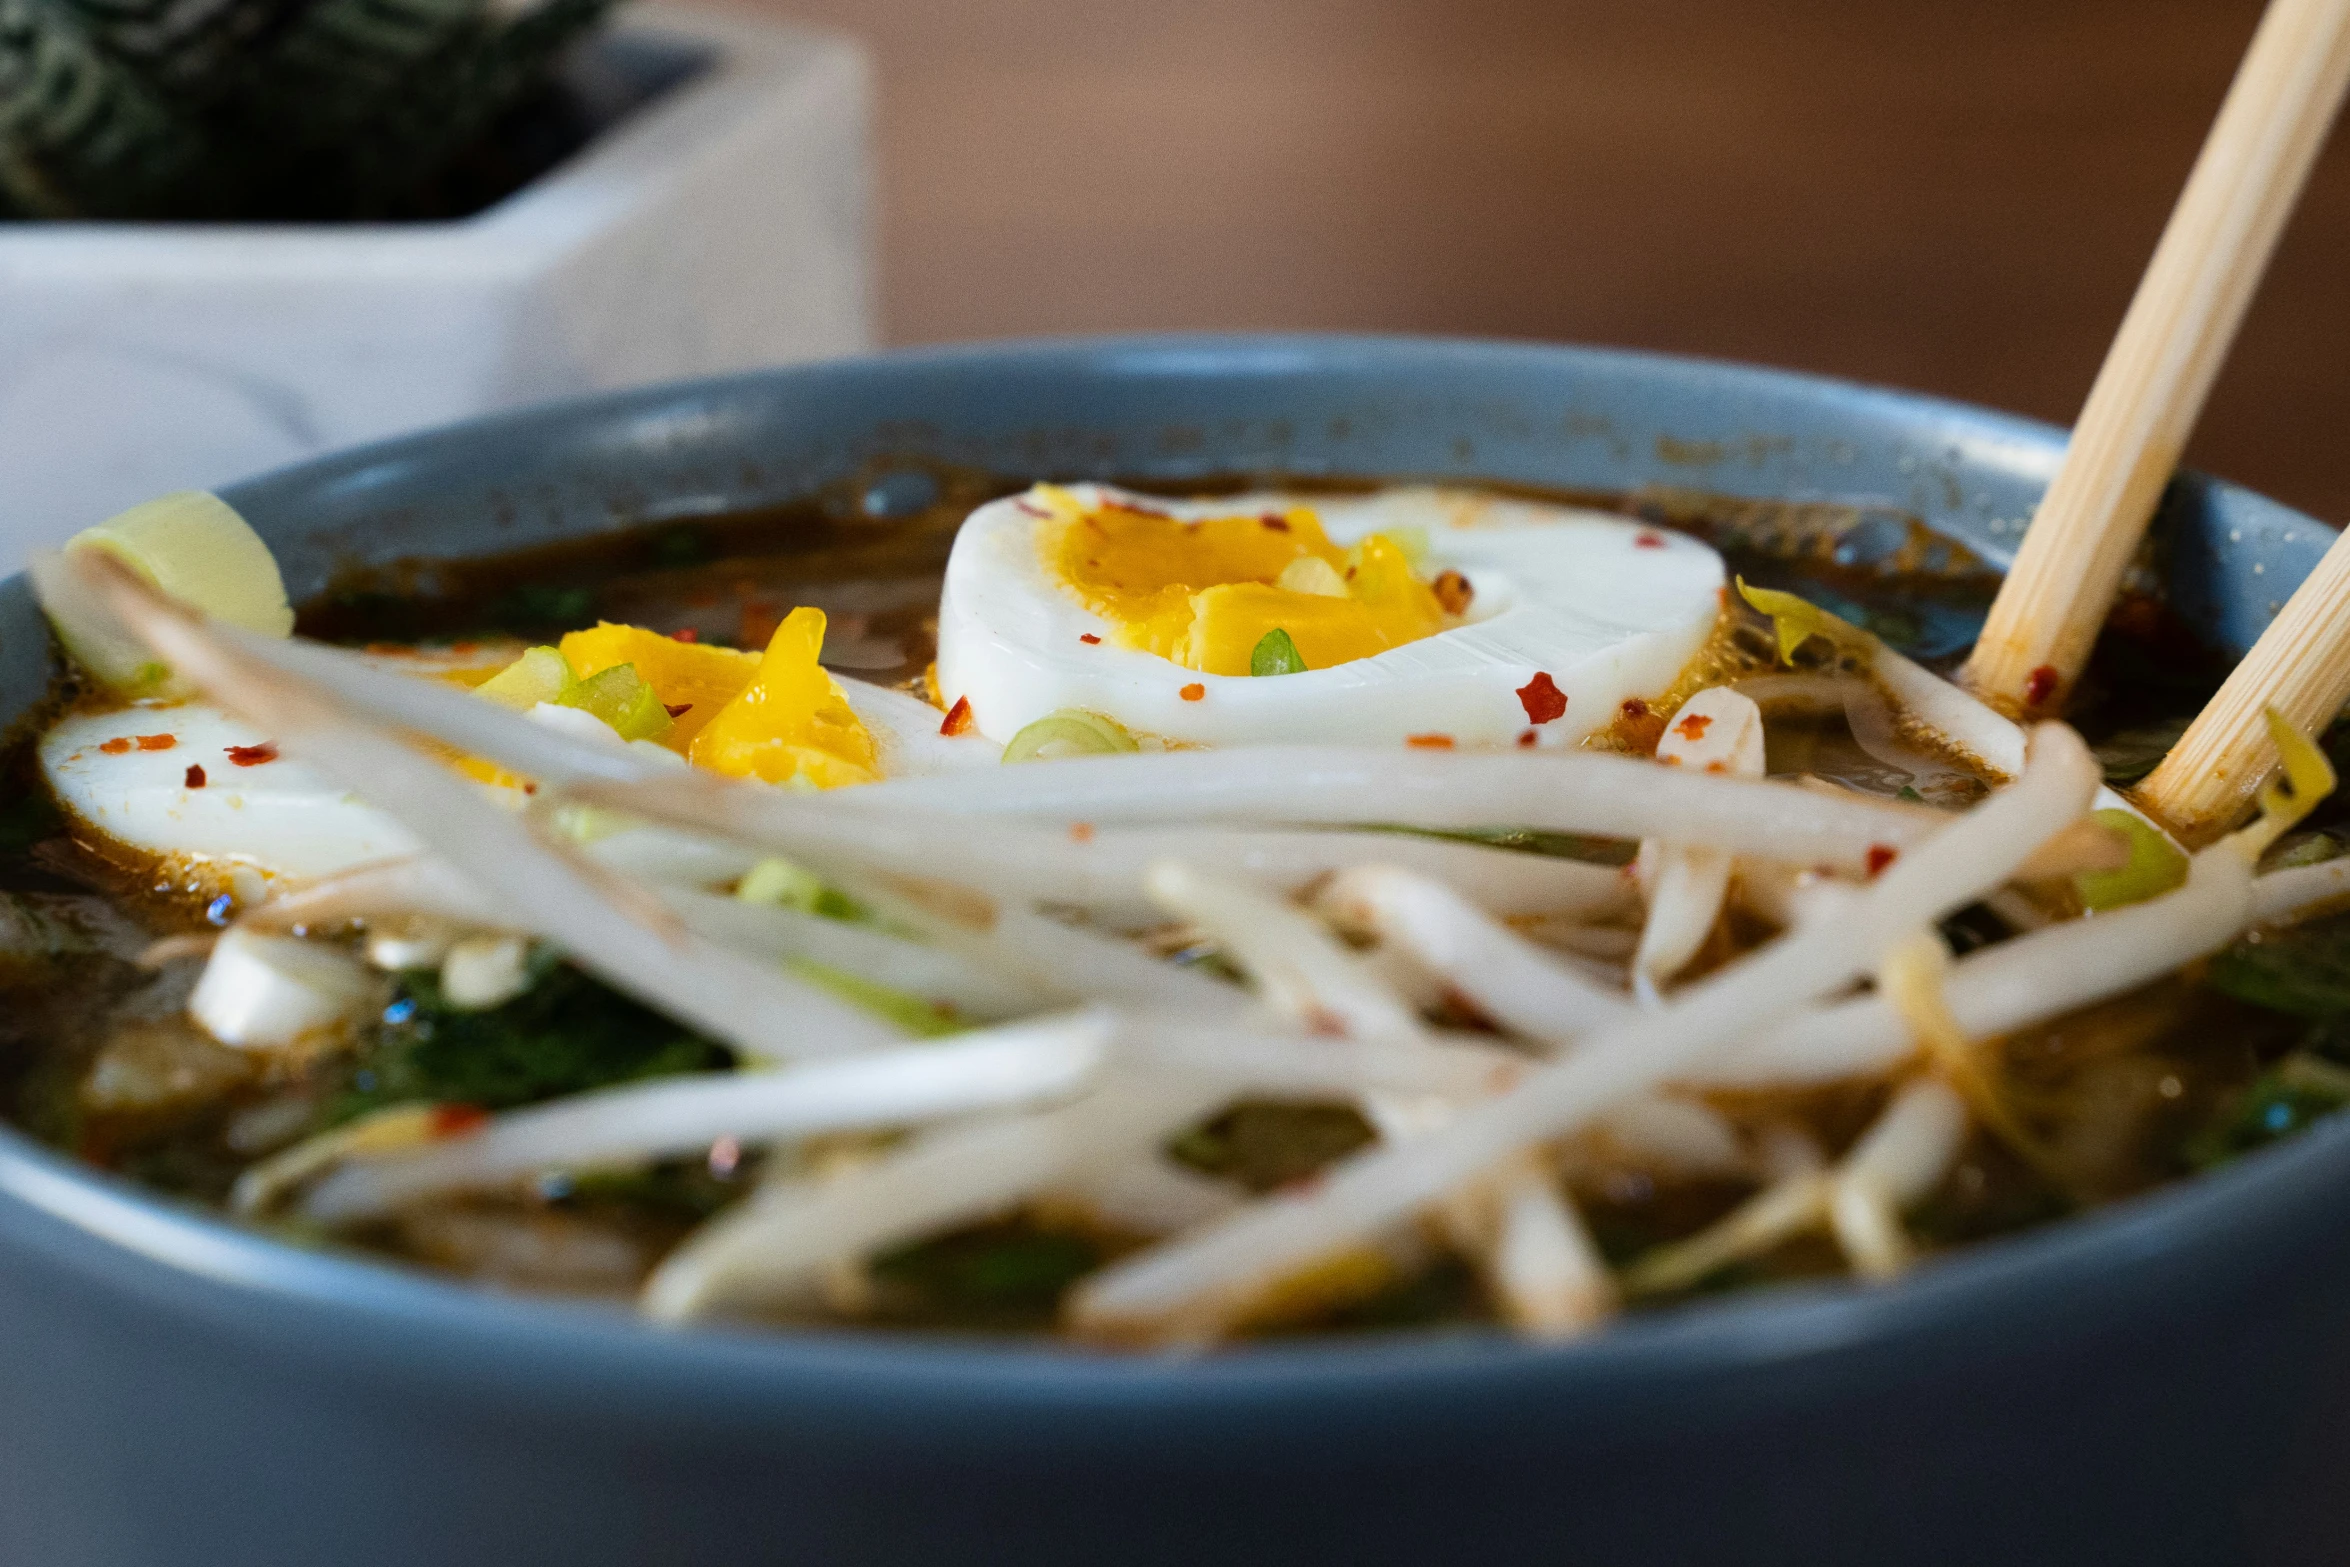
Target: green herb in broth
564	1035
2282	1102
1007	1276
2303	970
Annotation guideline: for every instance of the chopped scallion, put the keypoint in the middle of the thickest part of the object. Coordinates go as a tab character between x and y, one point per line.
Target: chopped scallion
2155	866
622	698
1072	731
1276	654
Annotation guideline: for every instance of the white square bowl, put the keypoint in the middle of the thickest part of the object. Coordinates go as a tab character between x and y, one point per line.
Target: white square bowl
722	224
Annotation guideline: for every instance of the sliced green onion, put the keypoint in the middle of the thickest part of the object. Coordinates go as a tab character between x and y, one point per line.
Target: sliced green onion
1072	731
2155	866
788	885
540	675
1276	654
1797	620
193	546
920	1018
622	698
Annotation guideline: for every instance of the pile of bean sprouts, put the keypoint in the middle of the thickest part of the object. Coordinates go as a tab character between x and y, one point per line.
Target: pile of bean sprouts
1014	896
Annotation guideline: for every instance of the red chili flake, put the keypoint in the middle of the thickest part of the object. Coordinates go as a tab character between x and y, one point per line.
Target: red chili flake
194	778
1429	742
1453	593
115	747
1528	740
1033	511
685	634
1669	761
253	755
1635	708
1647	539
677	710
1542	699
1193	692
1089	639
1717	766
2039	686
1122	503
1693	727
1081	832
958	719
1276	524
1881	855
528	787
158	742
456	1120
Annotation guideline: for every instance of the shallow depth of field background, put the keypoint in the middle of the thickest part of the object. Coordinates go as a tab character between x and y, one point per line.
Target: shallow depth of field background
1956	198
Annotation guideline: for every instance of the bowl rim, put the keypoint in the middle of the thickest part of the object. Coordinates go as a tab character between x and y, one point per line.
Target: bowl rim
2064	1278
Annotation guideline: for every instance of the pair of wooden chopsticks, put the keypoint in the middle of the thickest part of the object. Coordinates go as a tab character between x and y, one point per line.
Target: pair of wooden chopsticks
2136	421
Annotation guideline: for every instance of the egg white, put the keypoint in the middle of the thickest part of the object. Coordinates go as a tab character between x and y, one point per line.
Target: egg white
1607	608
281	819
278	817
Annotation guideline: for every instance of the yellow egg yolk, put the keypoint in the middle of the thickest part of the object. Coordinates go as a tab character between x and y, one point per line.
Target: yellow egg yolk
1204	593
775	716
791	724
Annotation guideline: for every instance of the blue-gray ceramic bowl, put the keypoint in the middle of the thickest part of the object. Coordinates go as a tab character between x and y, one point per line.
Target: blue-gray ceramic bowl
2166	1381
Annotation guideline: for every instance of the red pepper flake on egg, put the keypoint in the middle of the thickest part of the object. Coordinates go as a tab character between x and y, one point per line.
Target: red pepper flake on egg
1089	639
253	755
1693	727
1542	699
1275	524
1429	742
2040	685
158	742
1193	692
1648	539
958	719
677	710
194	778
455	1120
1528	739
1081	832
1880	856
685	634
116	747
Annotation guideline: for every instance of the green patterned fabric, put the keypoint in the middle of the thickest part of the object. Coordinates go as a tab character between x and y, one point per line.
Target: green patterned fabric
258	109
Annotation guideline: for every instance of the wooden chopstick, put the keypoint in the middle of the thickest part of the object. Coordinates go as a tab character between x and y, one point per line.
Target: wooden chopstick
2155	377
2300	666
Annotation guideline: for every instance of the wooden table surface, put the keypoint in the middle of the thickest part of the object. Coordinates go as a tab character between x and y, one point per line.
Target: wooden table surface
1955	198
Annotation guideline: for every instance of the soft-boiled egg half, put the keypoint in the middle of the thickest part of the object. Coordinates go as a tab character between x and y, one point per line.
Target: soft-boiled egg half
1409	615
211	800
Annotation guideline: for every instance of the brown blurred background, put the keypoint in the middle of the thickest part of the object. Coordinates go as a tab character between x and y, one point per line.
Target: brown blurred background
1955	197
